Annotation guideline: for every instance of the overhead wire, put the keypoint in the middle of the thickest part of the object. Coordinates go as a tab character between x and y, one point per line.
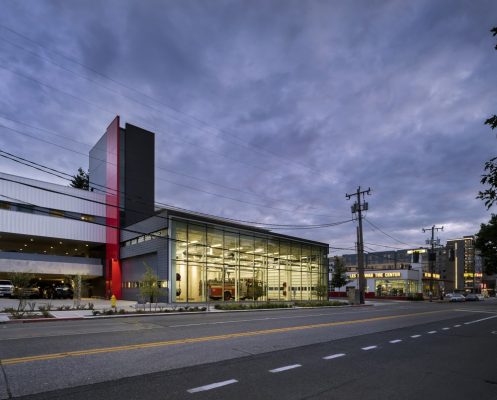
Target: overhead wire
219	132
133	231
272	226
386	234
166	180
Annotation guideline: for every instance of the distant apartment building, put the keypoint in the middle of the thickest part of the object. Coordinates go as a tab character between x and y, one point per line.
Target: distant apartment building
463	266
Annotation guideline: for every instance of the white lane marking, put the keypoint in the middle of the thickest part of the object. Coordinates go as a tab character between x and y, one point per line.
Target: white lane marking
369	348
333	356
479	320
457	326
395	341
285	368
211	386
475	311
415	336
431	332
445	329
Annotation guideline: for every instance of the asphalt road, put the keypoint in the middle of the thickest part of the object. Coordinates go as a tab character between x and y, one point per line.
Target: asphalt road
260	355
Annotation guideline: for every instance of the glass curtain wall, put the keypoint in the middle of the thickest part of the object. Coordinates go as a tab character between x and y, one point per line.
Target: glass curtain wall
214	264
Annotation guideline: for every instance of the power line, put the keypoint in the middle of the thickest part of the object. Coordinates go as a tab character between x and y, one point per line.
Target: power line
113	114
152	234
167	170
218	131
386	234
384	245
166	180
56	172
272	226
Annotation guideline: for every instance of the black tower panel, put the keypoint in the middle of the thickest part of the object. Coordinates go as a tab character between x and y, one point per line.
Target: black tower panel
139	178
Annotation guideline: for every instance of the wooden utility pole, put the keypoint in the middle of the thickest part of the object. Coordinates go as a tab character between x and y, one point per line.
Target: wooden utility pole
432	255
358	207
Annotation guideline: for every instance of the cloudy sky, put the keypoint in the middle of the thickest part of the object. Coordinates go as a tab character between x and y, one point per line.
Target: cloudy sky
267	110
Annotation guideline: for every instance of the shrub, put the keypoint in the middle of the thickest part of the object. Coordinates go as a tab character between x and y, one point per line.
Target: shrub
250	306
321	303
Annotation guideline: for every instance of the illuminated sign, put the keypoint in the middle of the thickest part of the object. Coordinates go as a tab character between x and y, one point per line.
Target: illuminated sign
470	275
429	275
416	251
377	275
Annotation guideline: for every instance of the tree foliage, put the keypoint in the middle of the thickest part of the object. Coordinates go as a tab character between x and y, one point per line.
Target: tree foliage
21	281
339	276
486	242
489	195
81	180
149	286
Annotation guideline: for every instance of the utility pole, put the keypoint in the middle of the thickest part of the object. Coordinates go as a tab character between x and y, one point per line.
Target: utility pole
432	255
358	207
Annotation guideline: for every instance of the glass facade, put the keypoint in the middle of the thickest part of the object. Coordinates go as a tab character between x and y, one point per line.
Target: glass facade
216	263
396	287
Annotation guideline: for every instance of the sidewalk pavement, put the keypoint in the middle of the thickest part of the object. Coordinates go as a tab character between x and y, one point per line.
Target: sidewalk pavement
57	305
58	313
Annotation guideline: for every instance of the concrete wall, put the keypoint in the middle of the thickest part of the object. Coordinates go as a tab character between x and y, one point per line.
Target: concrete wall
47	264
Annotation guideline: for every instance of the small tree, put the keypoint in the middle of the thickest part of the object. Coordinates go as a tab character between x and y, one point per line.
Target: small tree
21	281
339	276
149	286
81	180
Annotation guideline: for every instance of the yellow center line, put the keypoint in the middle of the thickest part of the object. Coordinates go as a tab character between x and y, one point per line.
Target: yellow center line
43	357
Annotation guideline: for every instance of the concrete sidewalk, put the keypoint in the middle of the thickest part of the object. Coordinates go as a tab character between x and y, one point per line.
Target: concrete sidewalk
58	313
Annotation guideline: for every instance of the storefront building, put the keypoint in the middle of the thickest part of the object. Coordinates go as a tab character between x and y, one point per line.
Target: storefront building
393	274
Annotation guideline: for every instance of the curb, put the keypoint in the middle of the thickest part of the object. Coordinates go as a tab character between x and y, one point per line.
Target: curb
93	317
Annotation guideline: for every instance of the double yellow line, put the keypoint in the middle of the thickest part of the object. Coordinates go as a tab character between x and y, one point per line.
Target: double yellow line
103	350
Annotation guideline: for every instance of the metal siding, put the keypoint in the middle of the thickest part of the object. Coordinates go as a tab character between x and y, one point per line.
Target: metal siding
42	225
21	193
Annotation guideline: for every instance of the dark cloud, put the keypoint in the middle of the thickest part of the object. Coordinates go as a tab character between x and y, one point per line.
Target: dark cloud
285	104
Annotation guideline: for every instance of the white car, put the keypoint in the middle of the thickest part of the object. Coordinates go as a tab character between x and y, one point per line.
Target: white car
457	297
6	288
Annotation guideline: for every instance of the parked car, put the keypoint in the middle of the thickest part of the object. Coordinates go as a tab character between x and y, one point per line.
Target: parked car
6	288
457	297
472	297
448	295
63	291
29	292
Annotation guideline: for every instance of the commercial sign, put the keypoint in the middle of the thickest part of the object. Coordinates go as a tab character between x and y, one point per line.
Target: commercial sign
429	275
471	275
377	275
